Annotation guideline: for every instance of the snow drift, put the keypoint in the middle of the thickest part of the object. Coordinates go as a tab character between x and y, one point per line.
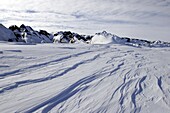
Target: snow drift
69	78
103	38
104	76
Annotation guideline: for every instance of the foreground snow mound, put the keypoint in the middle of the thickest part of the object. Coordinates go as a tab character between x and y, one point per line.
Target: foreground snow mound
108	38
103	38
6	34
28	35
71	78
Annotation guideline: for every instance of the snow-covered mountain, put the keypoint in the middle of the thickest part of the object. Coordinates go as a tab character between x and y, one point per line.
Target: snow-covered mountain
108	38
28	35
84	78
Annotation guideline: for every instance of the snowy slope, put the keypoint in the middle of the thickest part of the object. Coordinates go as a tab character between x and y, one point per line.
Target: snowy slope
6	34
71	78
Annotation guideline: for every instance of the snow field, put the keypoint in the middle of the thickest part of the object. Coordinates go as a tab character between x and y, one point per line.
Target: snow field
83	78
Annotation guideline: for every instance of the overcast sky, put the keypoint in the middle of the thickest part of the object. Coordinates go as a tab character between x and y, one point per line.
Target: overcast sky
133	18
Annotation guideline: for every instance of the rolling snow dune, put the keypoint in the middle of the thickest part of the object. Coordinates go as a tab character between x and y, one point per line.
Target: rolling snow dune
84	78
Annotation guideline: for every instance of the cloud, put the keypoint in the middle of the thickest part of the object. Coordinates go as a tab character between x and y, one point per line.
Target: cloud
119	16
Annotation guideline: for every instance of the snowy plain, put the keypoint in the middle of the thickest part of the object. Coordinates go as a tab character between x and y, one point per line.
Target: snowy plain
82	78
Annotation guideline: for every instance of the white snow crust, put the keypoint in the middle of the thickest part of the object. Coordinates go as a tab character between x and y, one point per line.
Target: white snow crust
81	78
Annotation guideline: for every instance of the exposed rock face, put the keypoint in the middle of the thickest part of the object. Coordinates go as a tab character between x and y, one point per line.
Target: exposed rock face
6	34
28	35
69	37
14	27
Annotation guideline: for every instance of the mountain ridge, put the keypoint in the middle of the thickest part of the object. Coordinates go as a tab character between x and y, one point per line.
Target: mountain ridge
27	34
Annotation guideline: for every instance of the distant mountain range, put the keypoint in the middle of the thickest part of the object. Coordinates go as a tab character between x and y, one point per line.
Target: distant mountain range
27	34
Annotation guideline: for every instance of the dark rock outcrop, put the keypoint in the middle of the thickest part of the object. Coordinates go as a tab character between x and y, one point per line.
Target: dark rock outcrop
28	35
69	37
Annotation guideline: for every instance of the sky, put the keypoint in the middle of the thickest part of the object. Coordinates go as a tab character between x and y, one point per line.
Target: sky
142	19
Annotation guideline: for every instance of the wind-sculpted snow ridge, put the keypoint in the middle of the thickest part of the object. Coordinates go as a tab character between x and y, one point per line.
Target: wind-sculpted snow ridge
28	35
69	78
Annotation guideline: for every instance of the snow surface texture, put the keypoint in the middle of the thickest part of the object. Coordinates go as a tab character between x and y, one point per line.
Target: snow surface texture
133	18
81	78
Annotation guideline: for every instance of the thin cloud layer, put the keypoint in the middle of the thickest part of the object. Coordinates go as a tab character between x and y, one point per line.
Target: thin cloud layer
133	18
